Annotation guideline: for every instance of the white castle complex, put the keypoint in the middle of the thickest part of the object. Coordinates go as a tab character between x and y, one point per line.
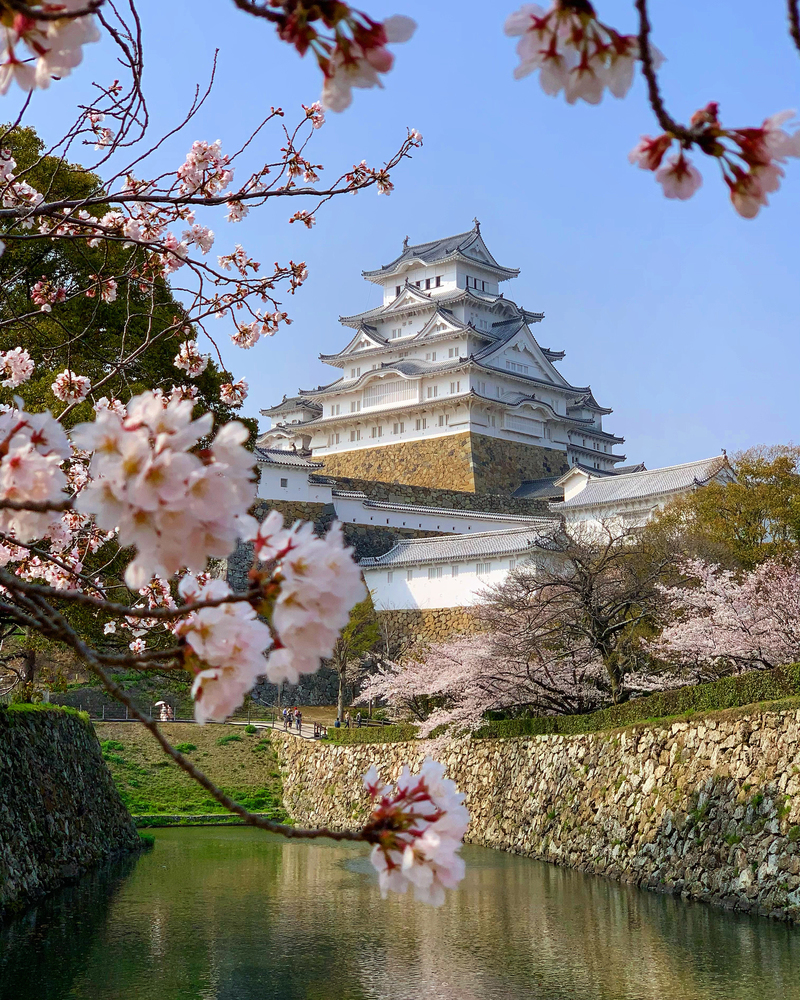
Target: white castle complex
450	446
444	383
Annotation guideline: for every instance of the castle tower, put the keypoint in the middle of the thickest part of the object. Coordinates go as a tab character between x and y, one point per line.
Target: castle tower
444	384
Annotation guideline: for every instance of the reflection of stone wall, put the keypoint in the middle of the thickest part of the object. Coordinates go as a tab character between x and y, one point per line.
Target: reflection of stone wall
60	813
474	463
425	625
708	809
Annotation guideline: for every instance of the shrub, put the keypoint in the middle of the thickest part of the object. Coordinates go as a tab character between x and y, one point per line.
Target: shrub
229	739
112	745
148	841
372	734
730	692
185	747
250	729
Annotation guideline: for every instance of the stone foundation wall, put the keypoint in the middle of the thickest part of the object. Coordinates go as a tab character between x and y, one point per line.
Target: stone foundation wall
473	463
709	810
426	625
60	813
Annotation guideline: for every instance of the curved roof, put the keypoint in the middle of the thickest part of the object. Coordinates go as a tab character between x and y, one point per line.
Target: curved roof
438	251
455	548
289	404
650	483
275	456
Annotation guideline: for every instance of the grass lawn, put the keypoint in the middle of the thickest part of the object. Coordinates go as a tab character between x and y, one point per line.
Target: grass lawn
244	765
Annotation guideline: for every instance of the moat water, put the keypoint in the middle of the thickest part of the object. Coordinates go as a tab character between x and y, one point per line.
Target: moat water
231	914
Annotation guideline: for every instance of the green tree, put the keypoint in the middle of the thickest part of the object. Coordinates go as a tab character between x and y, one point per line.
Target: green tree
360	636
741	523
90	336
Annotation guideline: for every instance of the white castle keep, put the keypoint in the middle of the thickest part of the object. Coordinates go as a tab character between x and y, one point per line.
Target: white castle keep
445	385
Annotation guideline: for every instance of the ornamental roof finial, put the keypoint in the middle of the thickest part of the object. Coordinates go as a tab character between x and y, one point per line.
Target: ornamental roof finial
405	243
477	226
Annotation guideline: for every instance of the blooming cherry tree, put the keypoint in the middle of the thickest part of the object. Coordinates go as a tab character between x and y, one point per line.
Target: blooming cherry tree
750	621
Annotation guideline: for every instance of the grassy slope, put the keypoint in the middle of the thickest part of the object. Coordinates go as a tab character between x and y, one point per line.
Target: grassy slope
243	765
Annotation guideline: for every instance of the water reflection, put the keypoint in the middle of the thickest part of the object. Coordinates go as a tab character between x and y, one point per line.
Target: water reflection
229	913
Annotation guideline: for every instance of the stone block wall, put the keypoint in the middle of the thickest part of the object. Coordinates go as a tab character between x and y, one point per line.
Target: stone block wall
708	809
422	626
60	813
473	463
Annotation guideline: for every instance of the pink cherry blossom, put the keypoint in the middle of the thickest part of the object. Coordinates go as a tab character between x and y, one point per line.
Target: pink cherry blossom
359	63
229	643
233	394
679	177
56	45
206	169
177	508
648	153
319	584
574	51
420	827
71	388
45	294
202	236
190	360
106	287
752	620
17	366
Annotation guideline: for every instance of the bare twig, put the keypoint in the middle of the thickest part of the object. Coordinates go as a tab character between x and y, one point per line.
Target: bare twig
793	10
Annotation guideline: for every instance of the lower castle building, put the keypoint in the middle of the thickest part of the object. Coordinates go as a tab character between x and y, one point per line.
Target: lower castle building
445	385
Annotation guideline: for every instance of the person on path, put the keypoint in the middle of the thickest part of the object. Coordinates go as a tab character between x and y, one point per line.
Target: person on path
299	722
358	720
347	720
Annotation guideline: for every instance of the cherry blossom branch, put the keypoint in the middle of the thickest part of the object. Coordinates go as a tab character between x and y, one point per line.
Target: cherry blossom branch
793	10
665	120
43	14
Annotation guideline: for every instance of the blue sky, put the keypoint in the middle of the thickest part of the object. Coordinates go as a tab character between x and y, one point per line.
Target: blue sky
682	316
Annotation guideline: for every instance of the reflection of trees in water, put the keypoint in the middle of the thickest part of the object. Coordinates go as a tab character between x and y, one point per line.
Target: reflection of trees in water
226	914
46	948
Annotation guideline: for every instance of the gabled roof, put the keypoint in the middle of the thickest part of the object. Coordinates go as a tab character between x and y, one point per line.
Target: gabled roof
652	483
624	469
377	342
468	246
588	402
539	489
419	300
292	459
455	548
290	403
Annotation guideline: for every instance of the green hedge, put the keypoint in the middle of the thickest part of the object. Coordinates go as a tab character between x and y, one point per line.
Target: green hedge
730	692
372	734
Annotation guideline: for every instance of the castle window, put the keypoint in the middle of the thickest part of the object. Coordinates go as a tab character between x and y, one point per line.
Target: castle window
395	334
355	406
409	574
514	367
444	420
455	386
396	290
483	568
399	428
355	372
438	282
377	431
333	439
389	576
430	356
336	409
512	563
491	420
434	572
454	352
433	391
454	570
417	283
284	483
427	284
422	423
355	435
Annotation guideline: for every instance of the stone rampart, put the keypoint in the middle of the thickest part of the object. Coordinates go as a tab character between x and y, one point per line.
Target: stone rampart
709	809
472	463
60	813
421	626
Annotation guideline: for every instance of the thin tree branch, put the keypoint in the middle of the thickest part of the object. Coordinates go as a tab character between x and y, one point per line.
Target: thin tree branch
793	10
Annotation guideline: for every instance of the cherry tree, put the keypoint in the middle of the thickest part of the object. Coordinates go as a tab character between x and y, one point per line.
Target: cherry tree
750	620
145	473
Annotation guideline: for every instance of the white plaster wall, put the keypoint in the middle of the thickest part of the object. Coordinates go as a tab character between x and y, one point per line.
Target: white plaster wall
456	522
400	593
297	487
